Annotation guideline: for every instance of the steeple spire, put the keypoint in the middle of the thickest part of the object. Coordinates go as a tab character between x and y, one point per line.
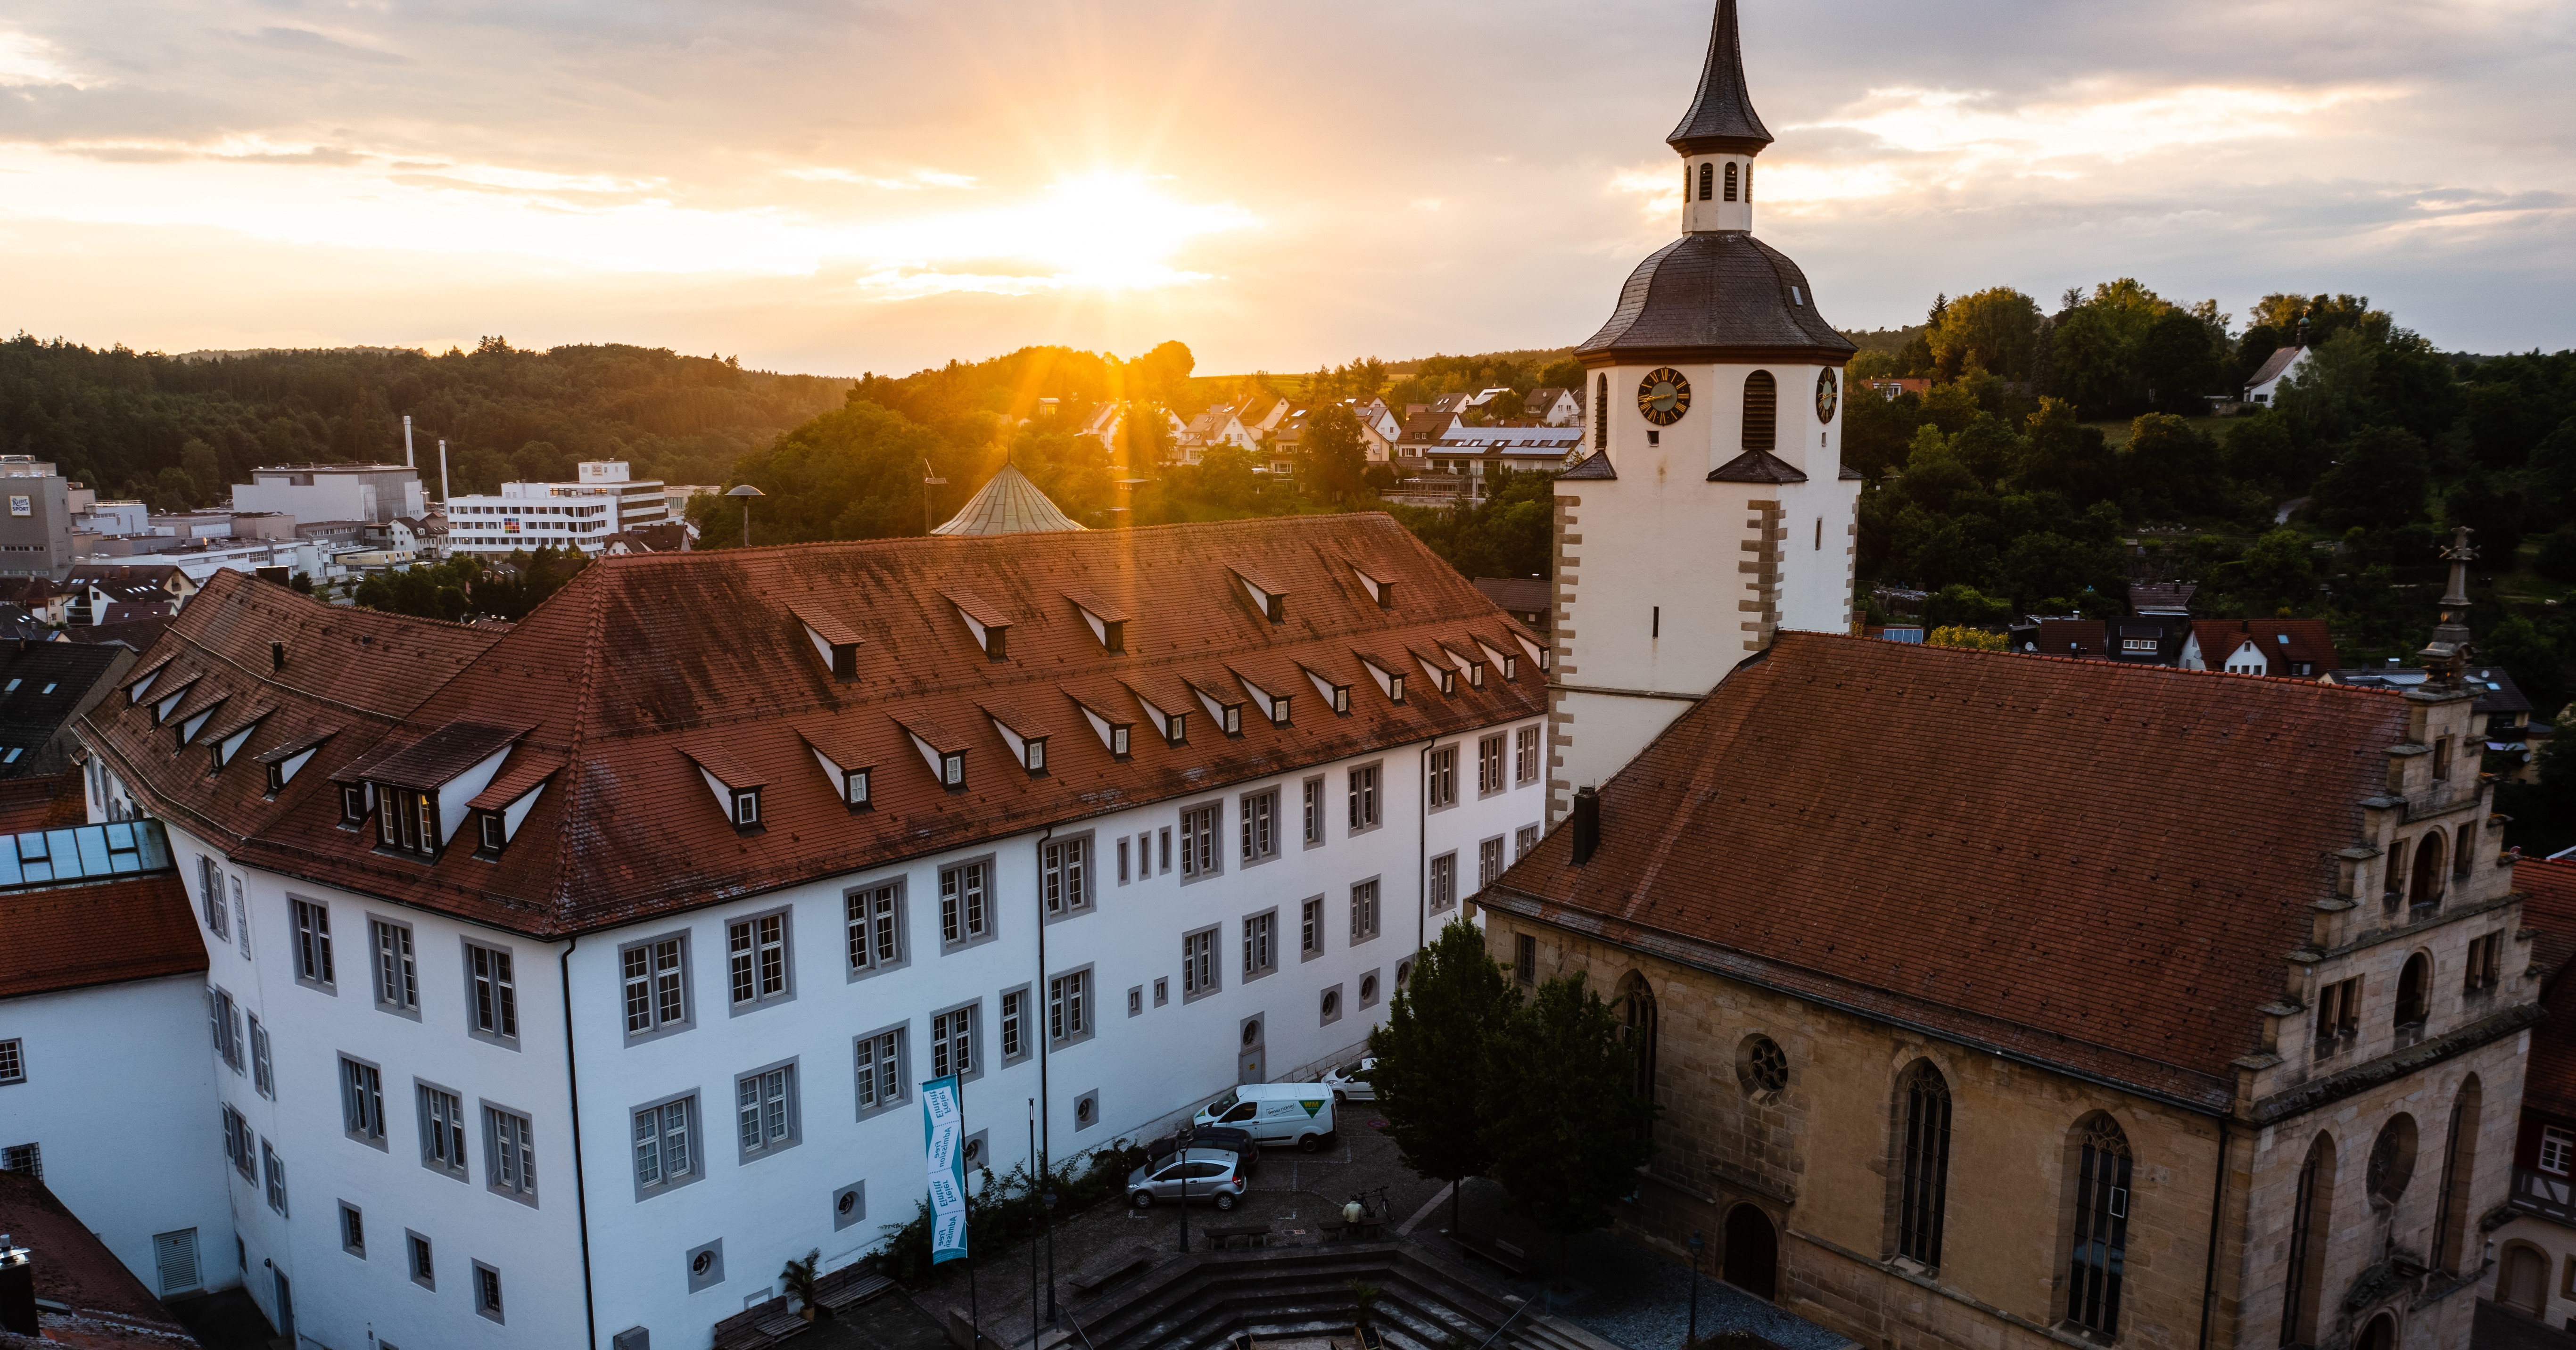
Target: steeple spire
2451	647
1721	118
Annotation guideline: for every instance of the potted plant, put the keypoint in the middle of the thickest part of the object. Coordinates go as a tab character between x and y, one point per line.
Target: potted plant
1364	1299
800	1280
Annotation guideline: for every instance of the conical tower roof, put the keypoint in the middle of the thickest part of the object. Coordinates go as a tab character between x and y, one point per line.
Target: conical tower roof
1721	118
1009	504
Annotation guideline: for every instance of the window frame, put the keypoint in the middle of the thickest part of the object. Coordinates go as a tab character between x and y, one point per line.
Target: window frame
1493	762
1365	801
1312	811
973	1011
1490	866
889	1059
272	1173
1079	848
378	927
967	936
427	1130
487	1291
1375	910
504	980
795	1112
864	938
420	1258
1311	926
263	1063
1266	922
13	1061
496	1160
1525	841
786	916
1198	952
1440	882
238	1138
1528	744
692	1135
309	949
1085	1006
1257	826
353	1230
659	1027
354	1103
1201	823
1440	778
1004	1017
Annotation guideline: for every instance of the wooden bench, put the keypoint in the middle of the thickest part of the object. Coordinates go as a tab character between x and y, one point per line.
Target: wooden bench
1093	1284
852	1285
1253	1235
1368	1229
1497	1252
758	1326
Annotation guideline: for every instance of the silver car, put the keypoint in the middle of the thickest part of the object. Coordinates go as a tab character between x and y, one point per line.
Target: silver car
1351	1082
1211	1173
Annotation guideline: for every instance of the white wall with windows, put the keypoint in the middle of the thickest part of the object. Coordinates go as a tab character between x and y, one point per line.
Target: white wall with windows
111	1086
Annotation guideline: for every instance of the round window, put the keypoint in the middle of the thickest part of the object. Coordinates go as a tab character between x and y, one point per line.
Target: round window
1761	1067
974	1150
1251	1032
701	1263
1082	1111
1368	988
1403	973
1332	1003
848	1203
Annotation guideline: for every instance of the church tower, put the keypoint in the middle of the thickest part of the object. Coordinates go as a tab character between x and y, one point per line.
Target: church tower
1714	509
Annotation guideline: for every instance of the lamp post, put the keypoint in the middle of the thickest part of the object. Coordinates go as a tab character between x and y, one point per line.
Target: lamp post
1692	1337
1050	1246
1183	1136
746	491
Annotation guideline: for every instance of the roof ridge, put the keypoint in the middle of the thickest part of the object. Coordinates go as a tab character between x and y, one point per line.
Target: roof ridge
561	901
2138	668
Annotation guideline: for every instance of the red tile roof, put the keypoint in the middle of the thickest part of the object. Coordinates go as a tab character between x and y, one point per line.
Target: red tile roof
2549	910
75	1269
30	804
643	655
1968	864
2281	640
49	938
2071	637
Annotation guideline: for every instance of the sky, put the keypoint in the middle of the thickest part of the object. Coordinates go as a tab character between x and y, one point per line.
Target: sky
835	186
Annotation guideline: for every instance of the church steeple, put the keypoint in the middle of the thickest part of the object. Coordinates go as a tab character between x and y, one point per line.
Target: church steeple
1719	137
1721	118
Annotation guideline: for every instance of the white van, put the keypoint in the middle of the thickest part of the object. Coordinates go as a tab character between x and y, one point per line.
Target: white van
1275	1113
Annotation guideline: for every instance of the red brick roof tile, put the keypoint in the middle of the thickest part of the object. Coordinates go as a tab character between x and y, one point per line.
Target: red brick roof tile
2307	640
2549	908
49	938
2095	864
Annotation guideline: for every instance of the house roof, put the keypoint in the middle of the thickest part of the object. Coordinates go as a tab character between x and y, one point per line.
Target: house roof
42	685
53	934
2497	693
2274	365
30	804
2549	909
1008	503
2122	925
1721	115
1519	595
1756	466
1715	294
2069	637
2171	597
1596	466
74	1269
2280	640
1427	428
639	657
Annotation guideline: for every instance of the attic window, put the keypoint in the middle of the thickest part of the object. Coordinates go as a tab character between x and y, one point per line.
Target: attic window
353	803
492	832
836	642
992	629
1266	596
1336	696
952	769
196	721
1112	733
409	823
1379	588
1279	711
1107	622
230	743
1035	756
746	808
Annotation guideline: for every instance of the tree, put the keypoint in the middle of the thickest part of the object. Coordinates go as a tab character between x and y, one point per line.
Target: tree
854	473
2278	572
2179	362
1968	639
2557	560
1563	1121
1431	1057
1996	329
1334	458
2379	481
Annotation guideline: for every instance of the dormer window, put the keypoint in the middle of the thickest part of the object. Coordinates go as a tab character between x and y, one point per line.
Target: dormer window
1118	741
1234	719
492	833
736	790
1107	622
1176	731
1267	596
952	769
845	762
834	641
854	787
1279	711
1035	756
409	822
276	779
353	803
991	627
1378	588
746	808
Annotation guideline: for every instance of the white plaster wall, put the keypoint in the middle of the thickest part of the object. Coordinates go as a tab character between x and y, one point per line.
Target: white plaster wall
118	1094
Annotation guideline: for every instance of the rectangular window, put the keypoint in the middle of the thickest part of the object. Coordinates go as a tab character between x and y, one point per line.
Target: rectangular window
495	993
1525	958
263	1072
1068	1015
2486	956
312	942
1014	1015
1442	786
241	917
765	1110
353	1230
210	880
879	1070
1489	861
219	1016
1525	755
1310	928
1312	820
1198	841
442	1131
509	1153
13	1062
1123	844
756	950
2338	1015
275	1171
1489	765
964	913
1444	881
1363	794
362	1101
1523	840
1061	877
1167	850
1260	950
666	1144
656	986
424	1271
1260	826
397	976
409	821
952	1043
487	1291
237	1144
2557	1150
875	927
1363	912
1198	963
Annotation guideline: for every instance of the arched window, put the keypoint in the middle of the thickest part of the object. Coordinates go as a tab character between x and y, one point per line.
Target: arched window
1706	172
2381	1334
1923	1193
2426	886
1730	182
2311	1219
1601	413
2454	1247
2101	1228
1761	411
2414	993
1637	1029
2523	1284
2392	1162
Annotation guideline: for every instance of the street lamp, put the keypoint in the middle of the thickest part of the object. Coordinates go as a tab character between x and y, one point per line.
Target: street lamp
1692	1338
746	492
1050	1246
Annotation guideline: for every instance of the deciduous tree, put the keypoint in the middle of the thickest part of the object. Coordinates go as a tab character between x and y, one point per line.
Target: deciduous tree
1432	1056
1566	1129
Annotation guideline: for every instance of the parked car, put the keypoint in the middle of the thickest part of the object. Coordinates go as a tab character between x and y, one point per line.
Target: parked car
1275	1113
1351	1082
1239	1142
1212	1175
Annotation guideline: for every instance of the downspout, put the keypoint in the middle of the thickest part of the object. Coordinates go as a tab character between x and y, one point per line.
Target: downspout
1037	1013
2217	1202
1422	849
580	1179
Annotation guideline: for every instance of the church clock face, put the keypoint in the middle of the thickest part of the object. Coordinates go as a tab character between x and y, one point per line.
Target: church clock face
1826	395
1663	396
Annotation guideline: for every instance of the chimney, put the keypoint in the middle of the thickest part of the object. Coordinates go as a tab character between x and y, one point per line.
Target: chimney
17	1289
277	656
1587	824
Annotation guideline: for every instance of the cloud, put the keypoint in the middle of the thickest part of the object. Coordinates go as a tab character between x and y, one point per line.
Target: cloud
305	41
26	60
912	182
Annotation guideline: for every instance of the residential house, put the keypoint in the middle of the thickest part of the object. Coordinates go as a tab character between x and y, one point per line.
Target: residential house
148	586
1892	387
1552	407
1527	599
2296	648
2265	388
43	687
43	597
1216	425
1380	428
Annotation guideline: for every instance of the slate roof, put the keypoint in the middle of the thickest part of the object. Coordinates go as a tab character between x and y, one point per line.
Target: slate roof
2281	640
2497	693
1596	466
42	686
1721	116
49	939
1519	595
1716	293
641	657
2069	637
1756	466
52	803
2124	925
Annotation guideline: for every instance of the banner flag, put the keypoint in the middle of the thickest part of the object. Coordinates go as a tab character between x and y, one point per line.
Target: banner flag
944	1145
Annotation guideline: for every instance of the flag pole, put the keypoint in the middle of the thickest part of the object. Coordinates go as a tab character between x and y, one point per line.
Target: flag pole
974	1307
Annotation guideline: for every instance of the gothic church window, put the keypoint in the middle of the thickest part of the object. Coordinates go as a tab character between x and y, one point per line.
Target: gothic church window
1601	413
2101	1228
1923	1193
2455	1248
2311	1220
1761	411
2414	993
1637	1029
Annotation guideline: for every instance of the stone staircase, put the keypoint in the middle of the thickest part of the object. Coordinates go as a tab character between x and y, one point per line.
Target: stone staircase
1204	1302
